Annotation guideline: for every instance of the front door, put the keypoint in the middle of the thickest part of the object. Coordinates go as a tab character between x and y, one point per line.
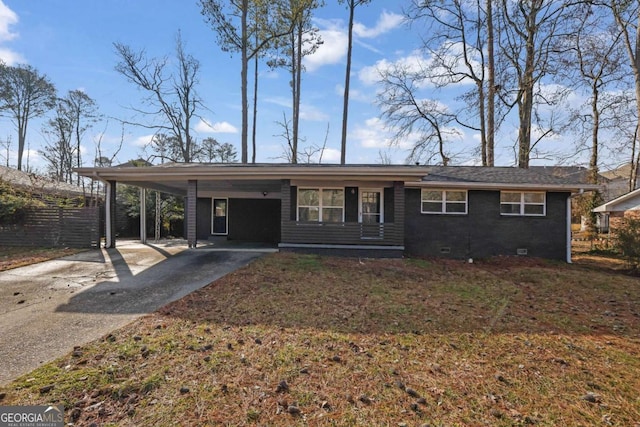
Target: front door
219	225
371	207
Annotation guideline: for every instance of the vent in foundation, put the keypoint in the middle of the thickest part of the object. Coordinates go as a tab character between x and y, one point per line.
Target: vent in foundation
521	251
445	250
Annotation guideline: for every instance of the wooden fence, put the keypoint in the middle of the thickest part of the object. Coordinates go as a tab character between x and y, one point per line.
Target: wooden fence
55	227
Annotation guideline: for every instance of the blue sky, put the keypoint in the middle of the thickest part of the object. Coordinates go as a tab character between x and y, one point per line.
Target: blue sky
72	43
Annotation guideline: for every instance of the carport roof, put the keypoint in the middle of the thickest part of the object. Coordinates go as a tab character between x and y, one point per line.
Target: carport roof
174	177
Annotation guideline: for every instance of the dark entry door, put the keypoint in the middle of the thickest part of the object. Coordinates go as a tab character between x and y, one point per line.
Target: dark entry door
220	207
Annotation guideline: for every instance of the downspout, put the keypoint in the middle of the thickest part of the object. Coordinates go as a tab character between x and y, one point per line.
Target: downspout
569	229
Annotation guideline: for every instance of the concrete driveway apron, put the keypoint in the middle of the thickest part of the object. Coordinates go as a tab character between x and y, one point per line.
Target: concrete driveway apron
48	308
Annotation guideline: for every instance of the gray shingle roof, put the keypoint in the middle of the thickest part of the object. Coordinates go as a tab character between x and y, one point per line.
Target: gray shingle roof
543	175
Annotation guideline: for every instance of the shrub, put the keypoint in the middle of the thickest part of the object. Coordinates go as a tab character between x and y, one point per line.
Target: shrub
627	240
15	204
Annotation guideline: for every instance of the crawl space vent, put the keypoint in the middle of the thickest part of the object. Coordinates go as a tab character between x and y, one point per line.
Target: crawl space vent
521	251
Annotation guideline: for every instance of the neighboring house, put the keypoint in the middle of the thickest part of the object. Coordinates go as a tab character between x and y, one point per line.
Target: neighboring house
616	182
370	210
612	214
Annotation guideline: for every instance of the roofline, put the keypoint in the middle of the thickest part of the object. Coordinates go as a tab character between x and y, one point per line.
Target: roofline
411	175
605	207
240	172
502	186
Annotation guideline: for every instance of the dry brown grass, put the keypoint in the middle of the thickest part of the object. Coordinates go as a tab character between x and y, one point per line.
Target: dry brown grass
306	340
14	257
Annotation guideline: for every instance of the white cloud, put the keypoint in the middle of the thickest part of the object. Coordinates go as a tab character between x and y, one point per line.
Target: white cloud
142	141
279	100
10	57
331	51
335	39
386	22
416	64
8	18
313	114
354	94
204	126
413	63
372	135
330	155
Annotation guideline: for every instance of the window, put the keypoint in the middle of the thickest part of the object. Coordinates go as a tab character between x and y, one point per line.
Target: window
321	204
444	202
522	203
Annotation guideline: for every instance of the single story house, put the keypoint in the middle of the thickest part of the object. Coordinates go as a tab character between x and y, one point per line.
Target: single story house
612	213
369	210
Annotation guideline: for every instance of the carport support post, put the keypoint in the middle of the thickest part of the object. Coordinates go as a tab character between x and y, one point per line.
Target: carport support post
110	216
192	200
143	215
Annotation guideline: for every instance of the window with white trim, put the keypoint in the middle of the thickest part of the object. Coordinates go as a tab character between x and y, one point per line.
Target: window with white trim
523	203
444	202
321	204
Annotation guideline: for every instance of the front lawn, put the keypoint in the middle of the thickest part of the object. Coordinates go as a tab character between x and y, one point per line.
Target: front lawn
307	340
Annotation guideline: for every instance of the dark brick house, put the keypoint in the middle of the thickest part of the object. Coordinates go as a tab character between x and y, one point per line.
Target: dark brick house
371	210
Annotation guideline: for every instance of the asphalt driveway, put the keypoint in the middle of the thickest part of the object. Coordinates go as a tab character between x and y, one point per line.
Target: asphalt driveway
46	309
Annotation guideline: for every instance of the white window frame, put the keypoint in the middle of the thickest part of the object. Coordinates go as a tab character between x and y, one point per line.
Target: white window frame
320	205
443	201
523	204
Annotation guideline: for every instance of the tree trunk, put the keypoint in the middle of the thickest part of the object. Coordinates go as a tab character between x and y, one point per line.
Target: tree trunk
22	136
491	90
593	161
244	84
255	106
526	97
347	80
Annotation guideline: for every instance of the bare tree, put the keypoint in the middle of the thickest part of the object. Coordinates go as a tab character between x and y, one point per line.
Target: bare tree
24	94
165	148
82	111
530	41
213	151
172	96
6	144
303	40
248	27
425	121
594	63
351	5
59	151
288	151
460	48
626	16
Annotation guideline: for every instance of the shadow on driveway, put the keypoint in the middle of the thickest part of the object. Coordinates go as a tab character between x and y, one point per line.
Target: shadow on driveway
170	279
46	309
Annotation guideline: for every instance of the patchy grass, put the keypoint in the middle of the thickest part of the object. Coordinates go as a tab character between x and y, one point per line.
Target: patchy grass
14	257
306	340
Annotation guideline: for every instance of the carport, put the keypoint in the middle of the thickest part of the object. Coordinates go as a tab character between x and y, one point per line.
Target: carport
211	194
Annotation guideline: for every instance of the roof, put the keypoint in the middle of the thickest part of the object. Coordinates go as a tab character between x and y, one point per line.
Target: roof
547	177
621	172
34	182
173	177
629	201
